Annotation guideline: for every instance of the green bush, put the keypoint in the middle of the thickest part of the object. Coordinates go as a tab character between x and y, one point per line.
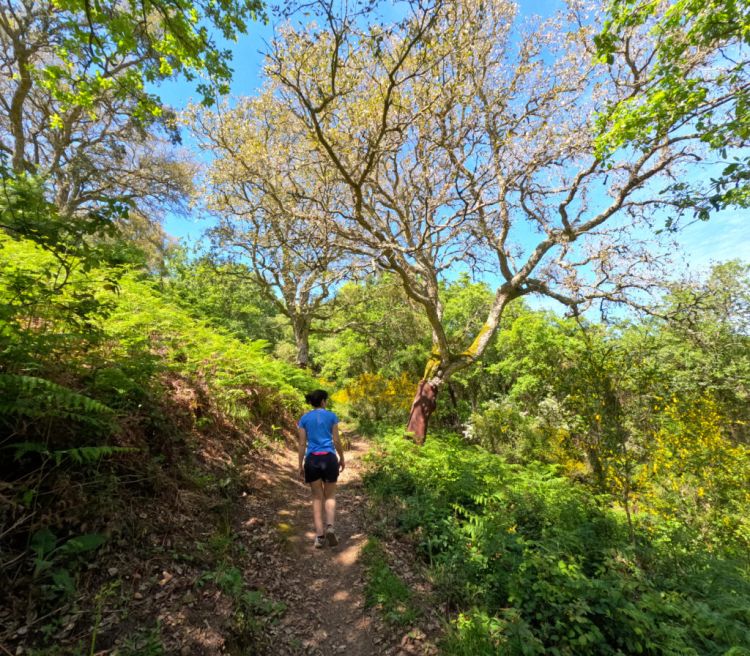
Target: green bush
500	427
536	564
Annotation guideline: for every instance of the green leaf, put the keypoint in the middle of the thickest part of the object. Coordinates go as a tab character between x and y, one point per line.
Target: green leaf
83	543
43	542
22	448
63	580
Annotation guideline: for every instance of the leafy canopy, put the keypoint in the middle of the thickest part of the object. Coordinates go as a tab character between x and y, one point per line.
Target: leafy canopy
696	79
163	38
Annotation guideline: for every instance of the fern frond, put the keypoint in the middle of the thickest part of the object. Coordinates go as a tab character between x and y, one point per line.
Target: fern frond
22	448
79	455
88	454
33	397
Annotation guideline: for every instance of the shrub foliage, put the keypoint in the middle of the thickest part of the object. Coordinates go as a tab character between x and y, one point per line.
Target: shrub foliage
534	563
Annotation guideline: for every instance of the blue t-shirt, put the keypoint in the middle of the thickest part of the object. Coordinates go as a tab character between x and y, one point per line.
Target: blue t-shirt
318	425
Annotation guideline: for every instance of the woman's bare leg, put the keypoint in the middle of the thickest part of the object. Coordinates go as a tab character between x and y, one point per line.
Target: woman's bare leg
329	491
317	502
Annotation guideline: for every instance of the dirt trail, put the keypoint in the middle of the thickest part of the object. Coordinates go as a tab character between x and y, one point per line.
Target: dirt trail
173	581
323	588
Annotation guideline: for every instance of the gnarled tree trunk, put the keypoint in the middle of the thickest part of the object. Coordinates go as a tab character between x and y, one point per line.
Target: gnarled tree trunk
301	327
422	407
441	366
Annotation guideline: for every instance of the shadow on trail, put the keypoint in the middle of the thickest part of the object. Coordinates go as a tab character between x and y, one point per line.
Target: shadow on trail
323	588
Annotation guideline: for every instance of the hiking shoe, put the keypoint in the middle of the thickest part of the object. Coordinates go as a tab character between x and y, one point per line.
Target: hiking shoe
331	538
320	541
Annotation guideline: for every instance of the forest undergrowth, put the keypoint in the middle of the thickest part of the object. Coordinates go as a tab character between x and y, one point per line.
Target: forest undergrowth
128	428
531	562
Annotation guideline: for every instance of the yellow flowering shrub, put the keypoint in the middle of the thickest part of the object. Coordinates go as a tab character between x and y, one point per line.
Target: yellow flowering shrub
694	471
563	451
372	397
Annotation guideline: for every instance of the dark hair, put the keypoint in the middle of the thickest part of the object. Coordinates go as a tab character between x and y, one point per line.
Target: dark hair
316	398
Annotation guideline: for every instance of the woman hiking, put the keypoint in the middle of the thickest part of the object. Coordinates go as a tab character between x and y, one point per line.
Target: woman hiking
318	442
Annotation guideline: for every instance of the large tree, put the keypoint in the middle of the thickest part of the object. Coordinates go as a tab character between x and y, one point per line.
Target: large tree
77	105
459	139
265	194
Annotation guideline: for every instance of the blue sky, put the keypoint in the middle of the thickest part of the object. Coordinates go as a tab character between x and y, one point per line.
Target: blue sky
725	236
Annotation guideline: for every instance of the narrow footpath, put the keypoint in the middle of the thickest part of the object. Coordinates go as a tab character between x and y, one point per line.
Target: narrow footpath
323	589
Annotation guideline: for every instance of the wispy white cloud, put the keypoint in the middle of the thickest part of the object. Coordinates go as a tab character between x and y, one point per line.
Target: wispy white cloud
726	236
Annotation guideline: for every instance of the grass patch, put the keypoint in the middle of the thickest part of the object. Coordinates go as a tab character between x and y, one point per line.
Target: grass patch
384	589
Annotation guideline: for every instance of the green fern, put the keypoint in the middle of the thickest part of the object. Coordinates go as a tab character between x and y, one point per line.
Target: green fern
87	454
80	455
36	398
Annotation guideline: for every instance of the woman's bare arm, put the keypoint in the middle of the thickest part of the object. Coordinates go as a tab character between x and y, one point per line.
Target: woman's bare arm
301	448
339	446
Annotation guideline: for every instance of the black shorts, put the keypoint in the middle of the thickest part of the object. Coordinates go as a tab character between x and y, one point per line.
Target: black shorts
325	466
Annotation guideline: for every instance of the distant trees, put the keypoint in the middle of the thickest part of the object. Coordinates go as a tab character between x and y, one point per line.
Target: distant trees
222	293
269	199
649	410
455	140
707	342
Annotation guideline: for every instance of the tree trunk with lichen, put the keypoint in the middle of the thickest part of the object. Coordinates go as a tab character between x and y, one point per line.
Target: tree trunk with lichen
301	328
425	400
441	367
422	407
